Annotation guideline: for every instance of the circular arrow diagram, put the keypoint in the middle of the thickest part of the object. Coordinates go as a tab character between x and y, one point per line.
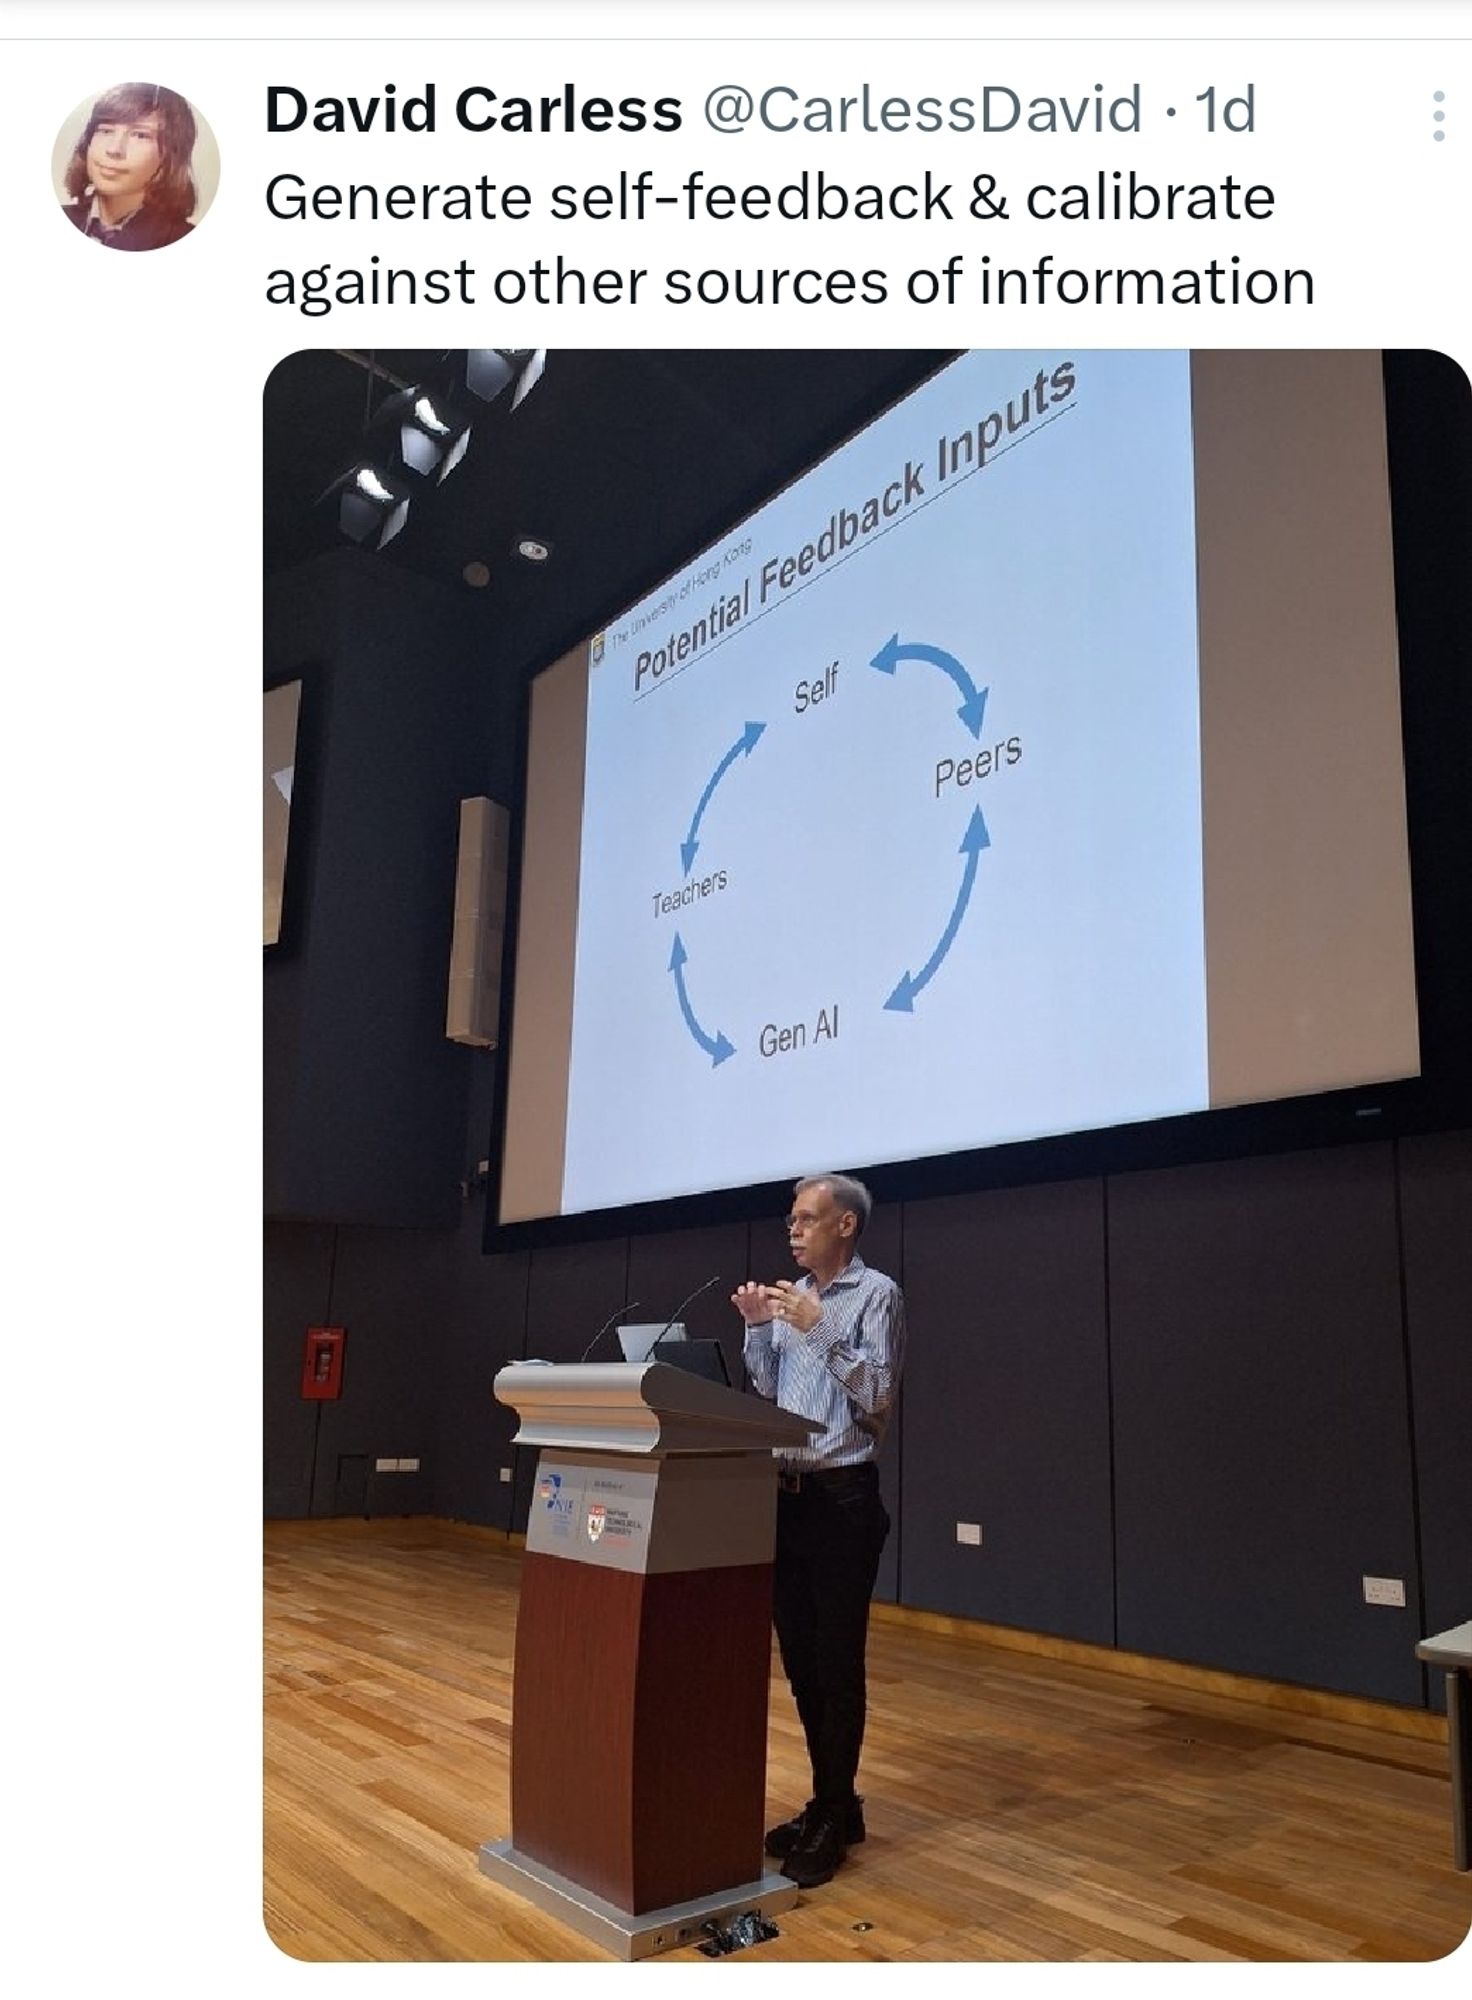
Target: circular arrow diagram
974	841
716	1046
975	838
745	743
973	699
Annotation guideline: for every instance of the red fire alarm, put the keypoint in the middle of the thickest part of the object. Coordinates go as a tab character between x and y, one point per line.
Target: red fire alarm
322	1363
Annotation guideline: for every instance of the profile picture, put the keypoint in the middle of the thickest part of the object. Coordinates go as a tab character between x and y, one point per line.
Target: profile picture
135	168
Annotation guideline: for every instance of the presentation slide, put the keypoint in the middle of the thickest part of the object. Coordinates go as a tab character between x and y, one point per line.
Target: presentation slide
890	836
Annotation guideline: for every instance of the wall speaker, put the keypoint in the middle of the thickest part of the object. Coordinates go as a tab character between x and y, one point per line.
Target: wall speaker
473	1007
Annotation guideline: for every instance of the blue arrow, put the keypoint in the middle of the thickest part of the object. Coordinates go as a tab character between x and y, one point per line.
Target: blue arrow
973	706
718	1049
746	741
902	1000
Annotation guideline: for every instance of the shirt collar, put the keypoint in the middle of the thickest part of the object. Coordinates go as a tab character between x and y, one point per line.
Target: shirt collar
95	217
852	1271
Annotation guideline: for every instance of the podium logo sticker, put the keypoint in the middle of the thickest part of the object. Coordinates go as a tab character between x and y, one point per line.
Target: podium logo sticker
549	1491
596	1517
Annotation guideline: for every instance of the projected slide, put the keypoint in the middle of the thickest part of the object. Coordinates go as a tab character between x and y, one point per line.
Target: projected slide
891	811
1030	766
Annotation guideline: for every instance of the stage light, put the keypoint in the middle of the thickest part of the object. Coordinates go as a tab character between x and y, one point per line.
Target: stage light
430	436
489	370
421	432
370	508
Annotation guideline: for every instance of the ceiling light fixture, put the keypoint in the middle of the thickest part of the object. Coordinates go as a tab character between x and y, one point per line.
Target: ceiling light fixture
429	436
489	370
370	508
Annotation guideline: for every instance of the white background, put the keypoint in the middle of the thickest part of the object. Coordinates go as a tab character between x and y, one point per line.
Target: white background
131	819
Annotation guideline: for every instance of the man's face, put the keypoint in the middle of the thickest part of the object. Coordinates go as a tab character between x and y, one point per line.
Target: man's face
818	1230
124	156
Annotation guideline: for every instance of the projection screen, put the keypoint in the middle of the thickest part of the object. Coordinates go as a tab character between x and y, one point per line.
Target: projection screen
1030	765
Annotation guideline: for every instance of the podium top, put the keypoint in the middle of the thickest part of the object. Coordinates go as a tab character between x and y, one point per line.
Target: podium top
642	1407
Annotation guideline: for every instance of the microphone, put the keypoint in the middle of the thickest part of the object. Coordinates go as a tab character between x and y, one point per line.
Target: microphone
626	1307
678	1310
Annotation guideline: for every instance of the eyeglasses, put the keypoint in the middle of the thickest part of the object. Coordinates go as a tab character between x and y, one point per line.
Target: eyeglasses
800	1221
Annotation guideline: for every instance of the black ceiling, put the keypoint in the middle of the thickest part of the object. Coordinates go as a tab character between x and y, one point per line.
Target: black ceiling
626	462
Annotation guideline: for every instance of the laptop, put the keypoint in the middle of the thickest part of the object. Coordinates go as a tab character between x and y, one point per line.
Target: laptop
696	1357
637	1340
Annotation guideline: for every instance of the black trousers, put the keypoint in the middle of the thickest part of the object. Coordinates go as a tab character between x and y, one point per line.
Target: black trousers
830	1534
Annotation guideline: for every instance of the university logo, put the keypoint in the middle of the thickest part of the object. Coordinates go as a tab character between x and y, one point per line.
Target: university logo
596	1517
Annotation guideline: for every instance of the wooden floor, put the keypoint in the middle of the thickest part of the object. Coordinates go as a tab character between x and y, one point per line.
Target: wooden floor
1018	1807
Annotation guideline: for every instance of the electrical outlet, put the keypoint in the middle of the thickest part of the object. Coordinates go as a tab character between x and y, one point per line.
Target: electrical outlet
385	1465
408	1465
969	1532
505	1475
1385	1590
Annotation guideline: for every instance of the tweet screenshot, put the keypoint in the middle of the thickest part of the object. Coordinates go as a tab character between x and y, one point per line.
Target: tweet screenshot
855	630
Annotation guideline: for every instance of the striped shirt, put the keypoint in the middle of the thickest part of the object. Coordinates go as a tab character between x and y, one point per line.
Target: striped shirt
844	1373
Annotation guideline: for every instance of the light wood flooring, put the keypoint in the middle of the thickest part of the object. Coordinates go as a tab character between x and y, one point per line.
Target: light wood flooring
1019	1807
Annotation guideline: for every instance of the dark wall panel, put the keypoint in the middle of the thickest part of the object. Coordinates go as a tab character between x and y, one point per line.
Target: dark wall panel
485	1329
573	1289
1436	1216
390	1291
1006	1419
300	617
297	1281
664	1269
366	1099
1262	1428
381	1105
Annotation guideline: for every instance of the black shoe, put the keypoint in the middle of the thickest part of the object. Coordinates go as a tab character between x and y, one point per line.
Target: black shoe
781	1840
817	1856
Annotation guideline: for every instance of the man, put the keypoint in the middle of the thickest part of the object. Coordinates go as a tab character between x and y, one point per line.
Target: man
828	1347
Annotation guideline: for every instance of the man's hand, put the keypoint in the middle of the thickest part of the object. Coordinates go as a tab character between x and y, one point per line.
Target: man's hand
753	1302
800	1309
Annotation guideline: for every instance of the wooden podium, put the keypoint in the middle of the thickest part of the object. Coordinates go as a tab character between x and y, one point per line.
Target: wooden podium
643	1653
